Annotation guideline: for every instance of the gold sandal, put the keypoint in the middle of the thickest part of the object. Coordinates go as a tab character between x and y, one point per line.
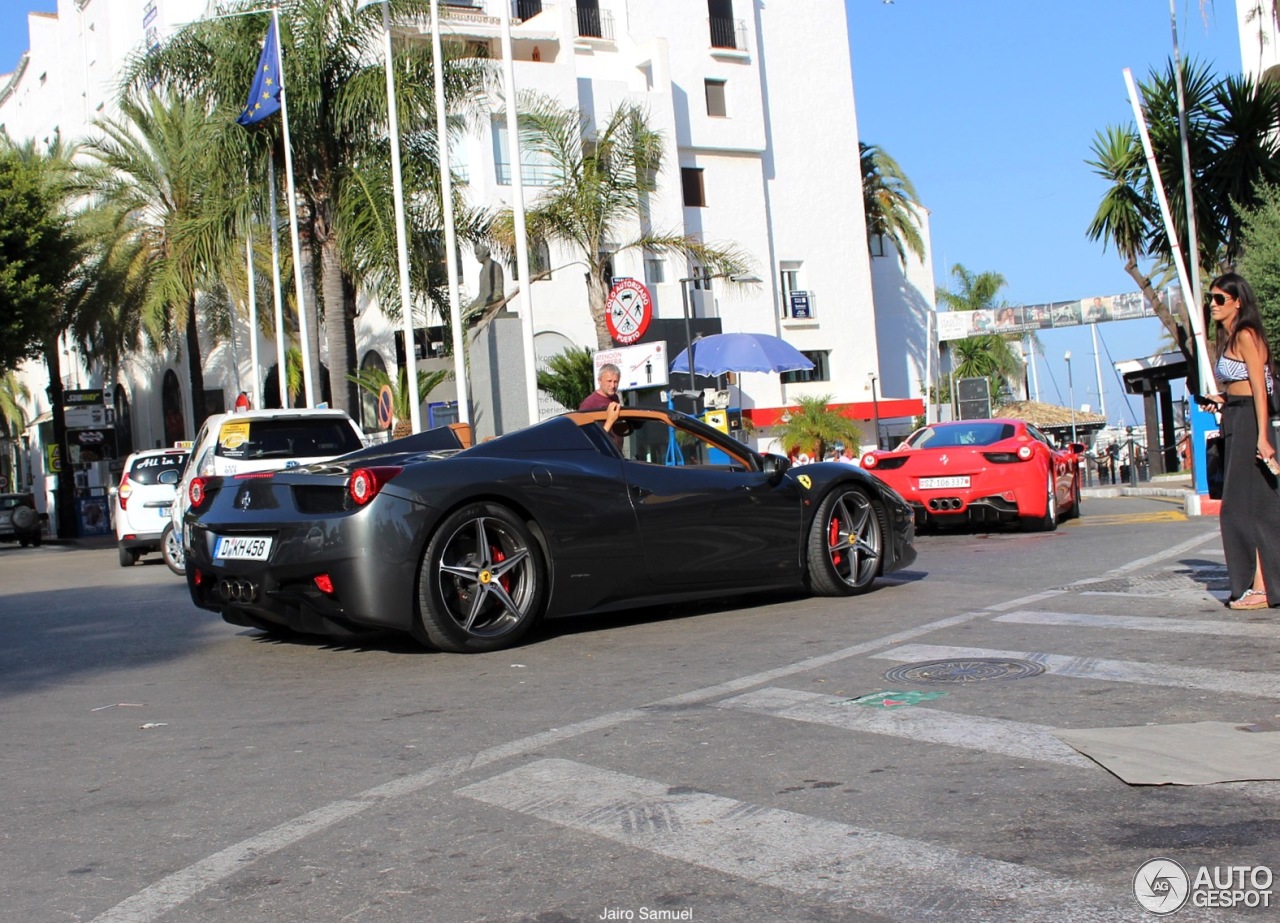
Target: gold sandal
1249	599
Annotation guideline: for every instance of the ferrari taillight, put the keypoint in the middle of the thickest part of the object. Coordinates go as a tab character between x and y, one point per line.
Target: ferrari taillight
1025	452
366	482
869	460
196	493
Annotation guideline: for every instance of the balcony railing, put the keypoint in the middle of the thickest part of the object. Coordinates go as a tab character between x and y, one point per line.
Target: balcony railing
728	33
594	23
531	174
526	9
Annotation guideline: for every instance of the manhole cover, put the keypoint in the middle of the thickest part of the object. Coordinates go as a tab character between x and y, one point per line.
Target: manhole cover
970	670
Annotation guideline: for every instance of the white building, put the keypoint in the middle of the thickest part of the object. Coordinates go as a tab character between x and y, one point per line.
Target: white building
756	104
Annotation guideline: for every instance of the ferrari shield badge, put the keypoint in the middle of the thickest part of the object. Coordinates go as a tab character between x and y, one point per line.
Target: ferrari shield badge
805	481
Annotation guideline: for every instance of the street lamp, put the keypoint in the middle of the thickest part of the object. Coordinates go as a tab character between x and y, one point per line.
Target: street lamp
1071	396
745	279
875	406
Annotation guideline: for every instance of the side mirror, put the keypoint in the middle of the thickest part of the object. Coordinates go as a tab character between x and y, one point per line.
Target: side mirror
169	477
1077	447
775	466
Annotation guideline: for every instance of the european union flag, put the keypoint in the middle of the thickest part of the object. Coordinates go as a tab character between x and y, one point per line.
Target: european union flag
264	95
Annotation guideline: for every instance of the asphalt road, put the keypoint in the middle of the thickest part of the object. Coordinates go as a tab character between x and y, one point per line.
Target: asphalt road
699	764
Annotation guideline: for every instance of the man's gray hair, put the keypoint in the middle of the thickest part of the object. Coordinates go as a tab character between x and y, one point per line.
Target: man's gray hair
610	367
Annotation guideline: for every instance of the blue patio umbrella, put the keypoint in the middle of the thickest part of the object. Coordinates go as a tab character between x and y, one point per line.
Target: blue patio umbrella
741	352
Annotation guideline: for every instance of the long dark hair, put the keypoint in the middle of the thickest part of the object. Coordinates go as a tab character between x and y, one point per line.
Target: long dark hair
1247	318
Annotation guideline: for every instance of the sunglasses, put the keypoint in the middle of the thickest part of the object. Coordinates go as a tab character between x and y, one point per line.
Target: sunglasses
1218	298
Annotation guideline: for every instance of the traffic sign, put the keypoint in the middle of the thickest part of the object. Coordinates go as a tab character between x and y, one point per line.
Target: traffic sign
628	311
641	366
386	406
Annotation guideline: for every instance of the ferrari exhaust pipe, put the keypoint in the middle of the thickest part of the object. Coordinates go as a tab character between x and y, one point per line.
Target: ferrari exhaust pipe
238	591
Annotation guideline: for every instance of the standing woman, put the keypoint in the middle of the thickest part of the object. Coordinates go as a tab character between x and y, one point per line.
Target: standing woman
1250	512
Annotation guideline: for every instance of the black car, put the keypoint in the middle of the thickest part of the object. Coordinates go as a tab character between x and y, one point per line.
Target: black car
466	548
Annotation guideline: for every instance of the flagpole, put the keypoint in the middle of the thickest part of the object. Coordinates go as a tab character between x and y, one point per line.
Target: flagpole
253	319
281	372
292	197
450	235
402	246
517	206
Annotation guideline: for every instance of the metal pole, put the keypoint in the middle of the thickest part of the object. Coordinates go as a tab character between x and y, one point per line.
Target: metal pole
517	209
450	235
292	197
875	408
402	243
282	382
1071	396
688	339
254	389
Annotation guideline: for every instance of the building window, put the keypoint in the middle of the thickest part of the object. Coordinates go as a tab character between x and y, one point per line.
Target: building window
877	245
821	370
536	168
788	282
724	32
691	180
655	270
539	262
715	99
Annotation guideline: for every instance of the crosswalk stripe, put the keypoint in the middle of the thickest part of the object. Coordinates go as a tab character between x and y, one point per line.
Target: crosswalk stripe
1215	627
826	860
1122	671
972	732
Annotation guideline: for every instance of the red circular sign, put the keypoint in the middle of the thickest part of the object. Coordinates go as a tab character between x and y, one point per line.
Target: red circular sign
628	311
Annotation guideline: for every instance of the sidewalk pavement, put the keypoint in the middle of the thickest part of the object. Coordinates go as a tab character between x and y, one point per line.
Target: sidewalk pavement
1178	485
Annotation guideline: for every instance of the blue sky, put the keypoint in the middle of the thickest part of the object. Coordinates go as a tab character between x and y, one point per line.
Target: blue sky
990	107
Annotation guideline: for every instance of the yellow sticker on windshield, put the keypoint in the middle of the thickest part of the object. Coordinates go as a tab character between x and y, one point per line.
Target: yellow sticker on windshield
805	481
233	434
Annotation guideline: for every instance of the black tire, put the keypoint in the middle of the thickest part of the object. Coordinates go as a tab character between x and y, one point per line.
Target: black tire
846	544
175	556
482	582
1049	521
37	539
127	558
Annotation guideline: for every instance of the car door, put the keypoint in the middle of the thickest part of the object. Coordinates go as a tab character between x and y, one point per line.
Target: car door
707	517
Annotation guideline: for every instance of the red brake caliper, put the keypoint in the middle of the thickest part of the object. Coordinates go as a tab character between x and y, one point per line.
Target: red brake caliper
498	558
833	538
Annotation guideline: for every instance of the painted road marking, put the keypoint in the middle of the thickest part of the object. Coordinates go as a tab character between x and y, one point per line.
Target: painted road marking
1128	519
1120	671
1017	739
1216	628
879	873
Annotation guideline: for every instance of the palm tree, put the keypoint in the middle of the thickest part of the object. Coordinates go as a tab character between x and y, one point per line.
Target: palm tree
372	381
601	178
13	419
989	356
814	426
161	186
1232	127
890	202
569	376
336	93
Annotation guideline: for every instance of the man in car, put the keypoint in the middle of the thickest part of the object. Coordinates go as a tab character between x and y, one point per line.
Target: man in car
606	397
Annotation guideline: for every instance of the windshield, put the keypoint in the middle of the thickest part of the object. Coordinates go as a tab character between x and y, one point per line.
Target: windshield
979	432
245	440
148	470
10	501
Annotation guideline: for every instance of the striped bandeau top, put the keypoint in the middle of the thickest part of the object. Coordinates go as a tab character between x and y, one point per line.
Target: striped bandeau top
1231	370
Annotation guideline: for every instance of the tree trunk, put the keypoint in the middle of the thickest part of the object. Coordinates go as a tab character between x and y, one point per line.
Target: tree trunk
339	322
63	492
195	369
597	298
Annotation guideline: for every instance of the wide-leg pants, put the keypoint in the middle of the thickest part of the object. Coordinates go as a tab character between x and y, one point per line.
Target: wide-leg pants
1250	512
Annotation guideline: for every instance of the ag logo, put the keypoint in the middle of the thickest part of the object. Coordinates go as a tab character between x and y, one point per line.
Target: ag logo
1161	886
805	481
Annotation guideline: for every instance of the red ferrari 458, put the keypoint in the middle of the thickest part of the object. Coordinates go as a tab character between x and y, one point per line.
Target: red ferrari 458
983	471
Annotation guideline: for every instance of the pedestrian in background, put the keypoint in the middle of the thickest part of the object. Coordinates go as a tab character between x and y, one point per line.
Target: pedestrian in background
1250	512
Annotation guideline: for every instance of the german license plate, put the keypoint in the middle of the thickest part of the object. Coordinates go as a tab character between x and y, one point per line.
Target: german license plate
943	483
241	548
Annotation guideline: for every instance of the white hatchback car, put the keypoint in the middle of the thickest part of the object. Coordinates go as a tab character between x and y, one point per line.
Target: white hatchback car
231	444
142	500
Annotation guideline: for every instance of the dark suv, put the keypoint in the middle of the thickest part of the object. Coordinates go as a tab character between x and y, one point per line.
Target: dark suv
19	520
